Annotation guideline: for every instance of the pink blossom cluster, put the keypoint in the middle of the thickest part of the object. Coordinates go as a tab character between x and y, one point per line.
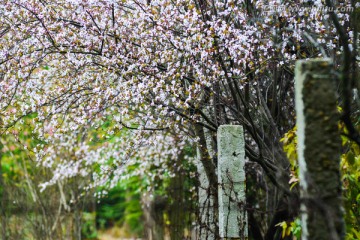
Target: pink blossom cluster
152	66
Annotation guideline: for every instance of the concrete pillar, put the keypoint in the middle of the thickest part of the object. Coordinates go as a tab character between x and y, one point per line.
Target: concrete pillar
319	149
231	177
206	204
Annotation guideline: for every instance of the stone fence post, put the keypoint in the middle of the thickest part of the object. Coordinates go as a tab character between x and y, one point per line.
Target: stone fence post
206	227
231	177
319	149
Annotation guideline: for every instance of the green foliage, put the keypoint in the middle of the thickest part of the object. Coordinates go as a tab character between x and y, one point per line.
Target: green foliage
296	228
288	228
110	209
350	166
16	150
290	148
133	214
121	206
88	228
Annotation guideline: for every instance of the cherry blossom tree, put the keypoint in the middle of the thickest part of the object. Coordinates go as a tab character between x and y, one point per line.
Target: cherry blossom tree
170	73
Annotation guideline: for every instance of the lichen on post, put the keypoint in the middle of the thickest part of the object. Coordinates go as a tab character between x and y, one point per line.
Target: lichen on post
319	149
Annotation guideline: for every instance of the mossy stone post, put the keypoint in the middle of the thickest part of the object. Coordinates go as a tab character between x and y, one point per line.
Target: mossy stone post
231	177
319	149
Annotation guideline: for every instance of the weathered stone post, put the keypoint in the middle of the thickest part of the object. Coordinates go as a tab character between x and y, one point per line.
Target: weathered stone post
206	205
319	148
231	177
